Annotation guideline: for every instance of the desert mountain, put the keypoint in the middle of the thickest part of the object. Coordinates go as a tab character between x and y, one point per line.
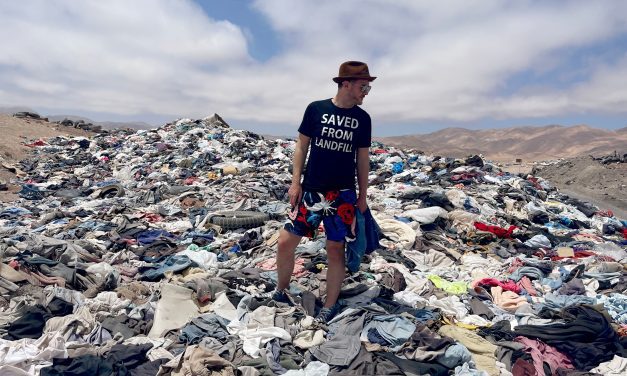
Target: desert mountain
527	143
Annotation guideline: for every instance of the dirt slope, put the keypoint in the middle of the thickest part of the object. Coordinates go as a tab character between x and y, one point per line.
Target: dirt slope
604	185
15	134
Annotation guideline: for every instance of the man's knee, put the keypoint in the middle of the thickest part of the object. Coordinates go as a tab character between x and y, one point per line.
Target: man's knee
287	241
335	252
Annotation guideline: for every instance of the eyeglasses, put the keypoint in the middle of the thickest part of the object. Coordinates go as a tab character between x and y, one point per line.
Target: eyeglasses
365	88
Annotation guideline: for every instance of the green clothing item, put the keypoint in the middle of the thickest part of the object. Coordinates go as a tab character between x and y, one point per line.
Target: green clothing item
456	288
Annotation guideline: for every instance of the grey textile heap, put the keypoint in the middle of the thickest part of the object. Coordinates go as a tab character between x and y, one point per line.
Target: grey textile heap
119	259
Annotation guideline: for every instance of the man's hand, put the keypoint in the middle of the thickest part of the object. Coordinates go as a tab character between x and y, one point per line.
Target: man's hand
295	194
362	204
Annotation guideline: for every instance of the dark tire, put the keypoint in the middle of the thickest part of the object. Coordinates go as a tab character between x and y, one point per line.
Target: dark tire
232	220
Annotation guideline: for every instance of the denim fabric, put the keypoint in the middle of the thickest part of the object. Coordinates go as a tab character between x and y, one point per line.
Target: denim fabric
392	328
172	263
455	355
373	232
529	271
210	325
151	236
356	248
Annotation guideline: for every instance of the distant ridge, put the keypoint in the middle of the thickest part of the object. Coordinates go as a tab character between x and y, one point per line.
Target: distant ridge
529	143
104	124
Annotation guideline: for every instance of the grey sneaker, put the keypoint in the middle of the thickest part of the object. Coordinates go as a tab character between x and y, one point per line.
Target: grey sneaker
328	313
281	296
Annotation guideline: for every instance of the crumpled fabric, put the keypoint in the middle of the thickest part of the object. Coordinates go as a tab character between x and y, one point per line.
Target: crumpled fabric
314	368
30	354
508	300
256	329
197	360
496	230
401	234
426	215
392	330
456	288
615	367
482	351
542	353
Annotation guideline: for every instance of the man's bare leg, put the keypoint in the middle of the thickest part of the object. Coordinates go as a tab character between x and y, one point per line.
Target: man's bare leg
336	272
285	257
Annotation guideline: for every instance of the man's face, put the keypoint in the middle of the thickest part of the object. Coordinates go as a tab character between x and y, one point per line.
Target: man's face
358	89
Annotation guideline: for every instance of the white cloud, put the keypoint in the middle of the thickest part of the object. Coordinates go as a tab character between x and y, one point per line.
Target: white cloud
437	61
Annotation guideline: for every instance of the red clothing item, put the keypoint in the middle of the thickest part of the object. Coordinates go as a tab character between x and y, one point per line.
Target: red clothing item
508	285
496	230
578	254
535	183
191	180
605	213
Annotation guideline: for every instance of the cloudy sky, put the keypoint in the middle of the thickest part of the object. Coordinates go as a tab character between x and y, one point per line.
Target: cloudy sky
473	64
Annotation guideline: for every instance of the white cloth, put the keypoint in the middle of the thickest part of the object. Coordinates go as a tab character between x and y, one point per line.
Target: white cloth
174	309
401	234
309	338
107	301
203	258
314	368
223	307
32	354
256	329
615	367
426	215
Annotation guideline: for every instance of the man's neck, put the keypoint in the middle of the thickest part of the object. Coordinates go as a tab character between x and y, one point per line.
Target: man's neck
342	102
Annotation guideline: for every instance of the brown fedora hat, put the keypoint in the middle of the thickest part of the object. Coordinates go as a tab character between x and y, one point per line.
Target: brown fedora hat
353	70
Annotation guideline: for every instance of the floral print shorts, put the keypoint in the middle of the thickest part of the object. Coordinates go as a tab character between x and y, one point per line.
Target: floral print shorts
335	209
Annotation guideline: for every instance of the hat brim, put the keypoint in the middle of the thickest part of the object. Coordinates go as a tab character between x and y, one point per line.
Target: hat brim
344	78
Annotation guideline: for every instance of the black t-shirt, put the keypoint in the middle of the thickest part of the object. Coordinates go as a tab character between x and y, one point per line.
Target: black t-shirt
336	134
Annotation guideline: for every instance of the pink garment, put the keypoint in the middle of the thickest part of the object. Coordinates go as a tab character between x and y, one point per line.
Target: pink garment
508	300
542	353
508	285
517	263
46	280
525	283
299	266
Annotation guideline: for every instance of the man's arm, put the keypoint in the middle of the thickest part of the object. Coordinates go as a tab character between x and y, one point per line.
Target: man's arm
296	191
363	168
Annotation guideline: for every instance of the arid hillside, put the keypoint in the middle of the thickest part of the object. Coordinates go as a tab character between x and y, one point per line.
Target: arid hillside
16	134
527	143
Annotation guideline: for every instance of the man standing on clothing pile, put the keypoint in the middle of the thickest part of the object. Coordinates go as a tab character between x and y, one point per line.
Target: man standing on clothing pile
336	133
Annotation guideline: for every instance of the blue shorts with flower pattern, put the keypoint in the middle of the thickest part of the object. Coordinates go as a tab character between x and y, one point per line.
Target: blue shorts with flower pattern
335	209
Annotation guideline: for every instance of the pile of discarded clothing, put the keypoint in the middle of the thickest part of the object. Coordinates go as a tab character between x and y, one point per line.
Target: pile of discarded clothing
153	253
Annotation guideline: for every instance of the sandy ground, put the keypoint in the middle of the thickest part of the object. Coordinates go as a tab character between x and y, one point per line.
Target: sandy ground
15	133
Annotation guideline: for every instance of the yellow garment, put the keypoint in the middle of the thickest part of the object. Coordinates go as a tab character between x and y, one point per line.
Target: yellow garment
466	326
481	350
